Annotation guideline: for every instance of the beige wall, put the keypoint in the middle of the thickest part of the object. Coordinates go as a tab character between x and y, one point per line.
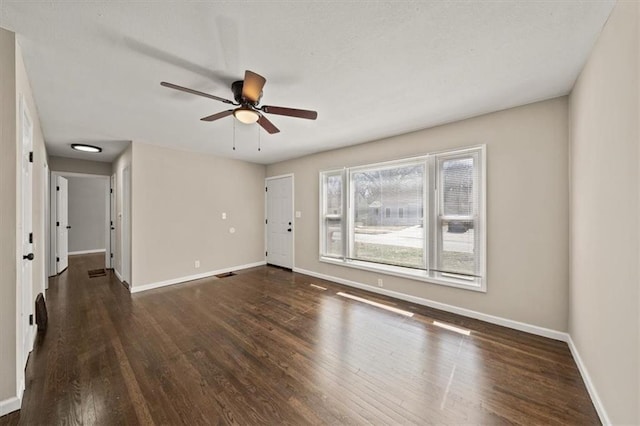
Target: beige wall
87	213
527	199
122	162
177	205
74	165
605	212
8	214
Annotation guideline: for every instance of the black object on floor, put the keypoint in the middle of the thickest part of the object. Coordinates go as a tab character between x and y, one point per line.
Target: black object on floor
226	274
97	273
41	313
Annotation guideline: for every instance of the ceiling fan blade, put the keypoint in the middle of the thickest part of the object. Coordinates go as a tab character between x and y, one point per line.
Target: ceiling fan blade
252	86
217	116
195	92
267	125
291	112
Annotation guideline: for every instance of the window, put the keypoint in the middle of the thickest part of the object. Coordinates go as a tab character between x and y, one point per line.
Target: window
332	201
436	232
386	240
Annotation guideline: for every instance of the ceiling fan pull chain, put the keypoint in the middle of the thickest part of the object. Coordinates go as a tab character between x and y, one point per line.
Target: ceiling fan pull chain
234	135
258	127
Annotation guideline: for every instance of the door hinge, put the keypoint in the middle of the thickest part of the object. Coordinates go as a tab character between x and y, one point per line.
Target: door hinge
30	237
57	223
30	319
31	156
266	253
57	188
111	190
111	222
266	189
111	255
57	259
266	221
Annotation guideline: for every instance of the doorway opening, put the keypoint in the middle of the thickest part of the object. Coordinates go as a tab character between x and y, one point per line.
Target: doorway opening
80	218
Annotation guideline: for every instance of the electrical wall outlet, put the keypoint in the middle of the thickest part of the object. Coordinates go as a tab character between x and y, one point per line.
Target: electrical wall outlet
197	264
380	282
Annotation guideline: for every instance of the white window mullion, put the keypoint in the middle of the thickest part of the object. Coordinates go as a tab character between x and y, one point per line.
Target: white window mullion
434	243
346	214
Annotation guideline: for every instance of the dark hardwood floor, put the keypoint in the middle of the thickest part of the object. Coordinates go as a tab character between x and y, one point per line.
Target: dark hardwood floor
265	347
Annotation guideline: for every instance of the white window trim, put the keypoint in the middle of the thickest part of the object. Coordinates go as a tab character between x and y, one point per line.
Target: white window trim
447	279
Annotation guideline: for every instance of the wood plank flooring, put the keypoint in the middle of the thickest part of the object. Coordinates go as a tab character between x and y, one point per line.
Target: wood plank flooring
266	347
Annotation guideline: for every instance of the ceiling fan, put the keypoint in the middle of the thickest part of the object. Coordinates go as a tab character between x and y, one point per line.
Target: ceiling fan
247	94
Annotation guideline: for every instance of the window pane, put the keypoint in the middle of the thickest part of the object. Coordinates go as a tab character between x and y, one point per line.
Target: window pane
457	184
458	247
459	195
333	215
396	239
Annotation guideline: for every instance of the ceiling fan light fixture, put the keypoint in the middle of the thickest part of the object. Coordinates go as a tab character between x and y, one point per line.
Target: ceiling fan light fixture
246	115
85	148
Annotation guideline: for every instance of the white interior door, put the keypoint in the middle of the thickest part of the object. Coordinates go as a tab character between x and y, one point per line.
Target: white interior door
26	232
62	224
112	221
280	221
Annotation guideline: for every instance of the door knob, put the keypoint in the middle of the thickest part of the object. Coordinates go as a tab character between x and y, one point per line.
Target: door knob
289	230
29	256
68	227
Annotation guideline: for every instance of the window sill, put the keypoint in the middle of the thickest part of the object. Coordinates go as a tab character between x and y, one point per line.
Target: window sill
477	284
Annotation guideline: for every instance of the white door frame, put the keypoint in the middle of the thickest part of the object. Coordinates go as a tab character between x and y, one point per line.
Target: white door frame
113	219
125	227
53	210
24	283
293	216
45	227
62	224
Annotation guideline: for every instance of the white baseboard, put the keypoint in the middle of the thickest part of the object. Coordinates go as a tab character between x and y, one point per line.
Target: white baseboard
517	325
73	253
10	405
115	271
595	398
173	281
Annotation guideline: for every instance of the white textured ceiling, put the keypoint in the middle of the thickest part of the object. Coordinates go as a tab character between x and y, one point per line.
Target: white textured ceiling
370	69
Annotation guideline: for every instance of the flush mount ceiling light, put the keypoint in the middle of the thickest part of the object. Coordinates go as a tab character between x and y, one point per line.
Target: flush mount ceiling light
85	148
246	115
